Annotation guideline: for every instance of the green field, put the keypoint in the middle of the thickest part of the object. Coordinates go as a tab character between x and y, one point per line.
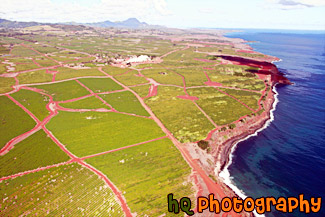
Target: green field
221	108
142	90
99	85
66	73
64	90
6	83
93	132
69	190
125	102
163	76
34	102
146	174
34	77
37	150
181	117
249	98
131	78
86	103
14	121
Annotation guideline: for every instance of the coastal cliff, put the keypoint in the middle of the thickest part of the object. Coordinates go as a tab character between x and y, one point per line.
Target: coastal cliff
221	143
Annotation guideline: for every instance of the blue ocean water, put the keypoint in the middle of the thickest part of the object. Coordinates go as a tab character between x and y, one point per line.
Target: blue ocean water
288	157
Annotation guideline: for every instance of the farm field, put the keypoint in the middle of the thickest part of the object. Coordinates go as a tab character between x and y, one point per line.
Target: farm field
34	102
42	151
125	102
98	85
63	90
112	130
70	190
181	117
14	121
86	103
146	173
221	108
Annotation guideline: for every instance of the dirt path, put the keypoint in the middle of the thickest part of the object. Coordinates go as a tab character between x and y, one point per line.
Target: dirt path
212	187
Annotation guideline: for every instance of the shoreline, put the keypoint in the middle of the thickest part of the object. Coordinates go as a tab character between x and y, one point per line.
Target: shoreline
224	173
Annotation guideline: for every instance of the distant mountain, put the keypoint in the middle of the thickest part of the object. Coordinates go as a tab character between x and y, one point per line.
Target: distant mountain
16	24
132	23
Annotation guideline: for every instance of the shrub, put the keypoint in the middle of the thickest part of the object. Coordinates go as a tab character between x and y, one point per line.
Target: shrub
203	144
232	126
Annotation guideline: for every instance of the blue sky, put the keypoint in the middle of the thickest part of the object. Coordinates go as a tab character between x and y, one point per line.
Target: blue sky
270	14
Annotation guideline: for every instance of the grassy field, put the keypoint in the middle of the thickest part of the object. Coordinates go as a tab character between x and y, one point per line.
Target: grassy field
125	102
142	90
163	76
21	51
99	85
221	108
249	98
147	173
34	77
69	190
6	83
181	117
131	78
251	83
93	132
64	90
38	150
193	76
13	121
34	102
87	103
66	73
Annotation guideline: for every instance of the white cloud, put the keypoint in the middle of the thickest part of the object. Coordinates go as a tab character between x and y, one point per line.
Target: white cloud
50	11
294	4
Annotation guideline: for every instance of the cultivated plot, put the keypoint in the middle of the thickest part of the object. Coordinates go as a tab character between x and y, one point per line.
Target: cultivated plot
68	190
125	102
220	107
14	120
146	174
93	132
37	150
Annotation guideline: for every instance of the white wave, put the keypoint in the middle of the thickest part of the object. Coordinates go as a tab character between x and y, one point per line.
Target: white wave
225	172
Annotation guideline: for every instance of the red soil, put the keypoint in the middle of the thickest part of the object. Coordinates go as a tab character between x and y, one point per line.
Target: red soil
188	97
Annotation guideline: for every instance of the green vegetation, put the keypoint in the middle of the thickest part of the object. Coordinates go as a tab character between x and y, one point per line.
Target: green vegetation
34	102
181	117
221	108
125	102
66	73
13	120
111	70
163	76
99	85
147	174
93	132
232	126
243	82
68	190
64	90
86	103
6	83
131	78
203	144
37	150
21	51
249	98
142	90
34	77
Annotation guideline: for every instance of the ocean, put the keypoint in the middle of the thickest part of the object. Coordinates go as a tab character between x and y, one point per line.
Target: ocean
288	157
